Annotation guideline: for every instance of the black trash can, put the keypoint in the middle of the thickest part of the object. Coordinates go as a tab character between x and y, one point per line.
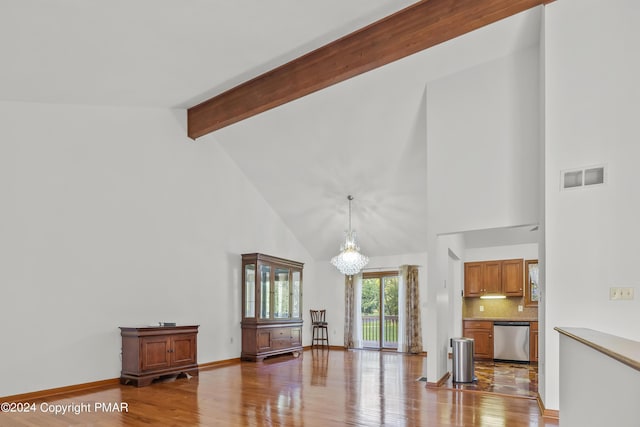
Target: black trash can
463	363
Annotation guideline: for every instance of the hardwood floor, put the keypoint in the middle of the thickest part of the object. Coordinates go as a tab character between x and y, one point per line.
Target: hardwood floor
513	379
323	388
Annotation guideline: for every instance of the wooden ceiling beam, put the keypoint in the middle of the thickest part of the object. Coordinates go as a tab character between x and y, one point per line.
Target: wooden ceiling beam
411	30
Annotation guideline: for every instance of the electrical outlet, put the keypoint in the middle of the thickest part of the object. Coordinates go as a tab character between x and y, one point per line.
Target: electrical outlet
482	308
627	293
615	293
519	308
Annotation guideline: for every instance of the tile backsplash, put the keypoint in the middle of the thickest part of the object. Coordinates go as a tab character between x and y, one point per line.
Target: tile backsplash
498	308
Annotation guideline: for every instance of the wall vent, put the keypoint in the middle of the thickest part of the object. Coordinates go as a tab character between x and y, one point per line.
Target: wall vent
584	177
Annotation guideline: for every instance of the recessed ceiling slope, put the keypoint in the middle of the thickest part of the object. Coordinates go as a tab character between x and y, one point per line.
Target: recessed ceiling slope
365	136
160	53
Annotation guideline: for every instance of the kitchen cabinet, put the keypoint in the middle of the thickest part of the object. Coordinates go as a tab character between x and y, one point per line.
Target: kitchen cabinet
473	281
482	333
512	278
533	342
149	353
271	306
497	277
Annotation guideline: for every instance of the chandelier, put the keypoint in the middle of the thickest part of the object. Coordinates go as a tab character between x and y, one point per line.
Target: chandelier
350	261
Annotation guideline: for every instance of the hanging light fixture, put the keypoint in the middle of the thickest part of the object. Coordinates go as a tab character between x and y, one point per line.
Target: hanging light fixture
350	261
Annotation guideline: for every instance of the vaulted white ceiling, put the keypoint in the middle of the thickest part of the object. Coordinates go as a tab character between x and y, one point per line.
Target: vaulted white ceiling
365	136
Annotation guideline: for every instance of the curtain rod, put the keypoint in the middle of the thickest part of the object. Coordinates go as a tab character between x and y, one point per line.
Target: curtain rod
397	267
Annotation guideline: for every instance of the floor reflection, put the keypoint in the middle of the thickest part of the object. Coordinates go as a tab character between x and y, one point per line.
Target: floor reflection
323	388
513	379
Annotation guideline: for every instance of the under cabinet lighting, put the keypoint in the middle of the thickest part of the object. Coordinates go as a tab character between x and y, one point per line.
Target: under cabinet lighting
493	297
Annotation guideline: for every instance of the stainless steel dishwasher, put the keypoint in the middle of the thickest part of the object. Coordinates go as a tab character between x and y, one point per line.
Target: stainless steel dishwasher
511	341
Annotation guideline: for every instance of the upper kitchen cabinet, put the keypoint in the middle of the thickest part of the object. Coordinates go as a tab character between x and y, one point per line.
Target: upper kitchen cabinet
512	277
498	277
473	280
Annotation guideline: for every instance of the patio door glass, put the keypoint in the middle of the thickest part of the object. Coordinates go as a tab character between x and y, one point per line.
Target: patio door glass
379	310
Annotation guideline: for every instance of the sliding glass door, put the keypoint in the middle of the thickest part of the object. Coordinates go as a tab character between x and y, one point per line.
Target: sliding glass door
379	310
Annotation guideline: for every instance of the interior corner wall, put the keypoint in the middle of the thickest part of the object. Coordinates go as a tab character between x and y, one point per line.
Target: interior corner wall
592	97
482	164
542	218
441	300
113	217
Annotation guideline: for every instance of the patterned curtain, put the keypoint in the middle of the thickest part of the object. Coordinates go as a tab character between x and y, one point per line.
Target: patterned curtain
349	307
412	328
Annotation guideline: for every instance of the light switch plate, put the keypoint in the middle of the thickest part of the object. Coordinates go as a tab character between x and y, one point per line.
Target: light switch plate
519	308
482	308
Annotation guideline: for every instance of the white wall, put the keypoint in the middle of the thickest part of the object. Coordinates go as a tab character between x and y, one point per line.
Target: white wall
482	165
482	134
328	294
525	251
112	217
592	97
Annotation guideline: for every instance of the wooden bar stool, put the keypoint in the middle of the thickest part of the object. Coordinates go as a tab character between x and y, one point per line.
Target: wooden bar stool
320	334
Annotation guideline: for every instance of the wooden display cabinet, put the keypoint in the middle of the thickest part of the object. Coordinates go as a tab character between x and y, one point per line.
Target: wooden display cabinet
271	306
149	353
482	333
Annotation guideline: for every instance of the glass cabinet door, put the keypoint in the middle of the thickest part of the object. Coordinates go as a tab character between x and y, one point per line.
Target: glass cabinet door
265	291
295	295
281	293
250	290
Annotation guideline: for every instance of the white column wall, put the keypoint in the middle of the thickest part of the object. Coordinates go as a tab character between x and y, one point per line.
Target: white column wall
112	217
592	97
482	165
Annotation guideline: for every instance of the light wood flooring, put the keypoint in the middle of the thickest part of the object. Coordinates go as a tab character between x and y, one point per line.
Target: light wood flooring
322	388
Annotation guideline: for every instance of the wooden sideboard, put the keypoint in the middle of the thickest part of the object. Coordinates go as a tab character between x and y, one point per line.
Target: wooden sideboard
151	352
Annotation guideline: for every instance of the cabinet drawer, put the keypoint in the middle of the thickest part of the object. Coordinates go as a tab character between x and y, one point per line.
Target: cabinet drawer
279	343
279	333
478	324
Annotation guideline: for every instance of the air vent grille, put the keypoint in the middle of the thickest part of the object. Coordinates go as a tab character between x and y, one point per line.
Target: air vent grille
584	177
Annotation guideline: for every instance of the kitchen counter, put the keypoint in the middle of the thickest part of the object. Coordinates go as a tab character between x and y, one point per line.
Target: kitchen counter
492	341
502	319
